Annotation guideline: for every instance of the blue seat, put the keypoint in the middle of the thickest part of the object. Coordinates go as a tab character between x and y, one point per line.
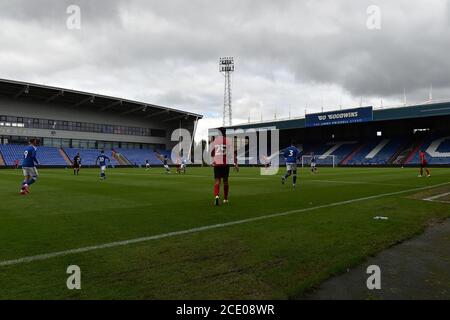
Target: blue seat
89	156
48	156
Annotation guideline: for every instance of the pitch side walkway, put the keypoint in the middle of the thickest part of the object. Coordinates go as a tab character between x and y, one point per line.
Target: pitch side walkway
415	269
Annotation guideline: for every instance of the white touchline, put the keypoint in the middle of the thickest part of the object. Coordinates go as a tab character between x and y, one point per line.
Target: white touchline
358	182
46	256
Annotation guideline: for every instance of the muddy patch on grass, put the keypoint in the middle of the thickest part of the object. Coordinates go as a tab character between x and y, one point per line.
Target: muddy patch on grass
418	268
426	194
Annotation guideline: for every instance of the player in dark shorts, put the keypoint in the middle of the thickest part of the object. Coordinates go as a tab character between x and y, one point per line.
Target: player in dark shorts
423	163
221	151
166	164
76	164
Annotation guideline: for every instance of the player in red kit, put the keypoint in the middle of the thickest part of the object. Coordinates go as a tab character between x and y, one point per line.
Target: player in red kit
423	163
221	153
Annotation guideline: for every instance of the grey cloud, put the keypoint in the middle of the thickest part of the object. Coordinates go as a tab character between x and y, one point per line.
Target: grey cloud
53	12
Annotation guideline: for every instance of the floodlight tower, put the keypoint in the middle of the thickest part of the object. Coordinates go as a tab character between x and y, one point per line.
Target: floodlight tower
226	67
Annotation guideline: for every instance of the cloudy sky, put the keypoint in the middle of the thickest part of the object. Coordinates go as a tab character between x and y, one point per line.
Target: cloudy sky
290	55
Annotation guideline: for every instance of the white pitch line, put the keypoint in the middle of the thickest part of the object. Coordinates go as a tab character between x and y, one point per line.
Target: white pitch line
358	182
437	197
47	256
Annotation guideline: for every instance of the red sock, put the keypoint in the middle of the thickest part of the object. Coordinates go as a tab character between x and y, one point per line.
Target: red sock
225	191
216	189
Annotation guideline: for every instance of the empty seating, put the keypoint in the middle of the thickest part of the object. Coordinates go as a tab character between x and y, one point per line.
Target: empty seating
437	149
11	153
138	157
376	152
339	150
50	156
47	156
89	156
370	152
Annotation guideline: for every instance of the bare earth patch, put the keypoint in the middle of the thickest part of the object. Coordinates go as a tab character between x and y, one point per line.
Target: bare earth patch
436	194
445	198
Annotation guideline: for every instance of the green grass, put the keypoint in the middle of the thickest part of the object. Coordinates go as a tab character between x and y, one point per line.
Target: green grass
281	257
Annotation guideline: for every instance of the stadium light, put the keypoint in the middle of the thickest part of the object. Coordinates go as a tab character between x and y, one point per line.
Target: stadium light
226	66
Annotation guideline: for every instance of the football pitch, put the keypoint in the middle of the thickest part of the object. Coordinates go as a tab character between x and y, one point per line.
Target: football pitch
147	235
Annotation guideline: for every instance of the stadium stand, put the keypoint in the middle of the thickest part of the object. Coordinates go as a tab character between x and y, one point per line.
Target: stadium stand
376	152
106	122
137	157
2	161
437	149
88	156
387	151
340	150
59	157
120	158
47	156
65	156
50	156
381	136
167	153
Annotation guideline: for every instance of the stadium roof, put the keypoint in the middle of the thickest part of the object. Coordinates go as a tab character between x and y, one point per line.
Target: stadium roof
77	99
386	114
